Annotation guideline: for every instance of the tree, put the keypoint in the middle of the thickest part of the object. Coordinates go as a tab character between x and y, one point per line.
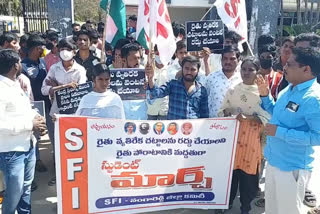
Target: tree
311	13
318	11
299	18
305	11
87	10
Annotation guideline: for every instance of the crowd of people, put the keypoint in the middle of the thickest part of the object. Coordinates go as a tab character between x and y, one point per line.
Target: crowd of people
275	96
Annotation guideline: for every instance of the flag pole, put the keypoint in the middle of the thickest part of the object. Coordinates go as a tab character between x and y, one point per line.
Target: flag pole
103	52
207	12
151	56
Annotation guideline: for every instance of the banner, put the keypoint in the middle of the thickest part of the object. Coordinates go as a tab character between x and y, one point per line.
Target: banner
203	34
234	15
117	166
39	107
128	83
68	99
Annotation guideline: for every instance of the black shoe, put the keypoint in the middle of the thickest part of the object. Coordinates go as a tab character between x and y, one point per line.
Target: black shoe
34	186
52	182
40	167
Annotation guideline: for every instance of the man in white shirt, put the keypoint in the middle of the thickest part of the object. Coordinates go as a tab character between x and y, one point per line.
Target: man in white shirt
17	121
218	83
175	67
158	109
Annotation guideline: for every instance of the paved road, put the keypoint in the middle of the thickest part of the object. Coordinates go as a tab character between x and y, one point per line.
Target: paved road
44	199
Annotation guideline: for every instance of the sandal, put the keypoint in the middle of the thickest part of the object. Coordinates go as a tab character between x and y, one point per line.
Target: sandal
310	199
315	210
260	203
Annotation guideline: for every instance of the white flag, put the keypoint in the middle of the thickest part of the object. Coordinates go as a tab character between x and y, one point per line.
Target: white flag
234	15
154	24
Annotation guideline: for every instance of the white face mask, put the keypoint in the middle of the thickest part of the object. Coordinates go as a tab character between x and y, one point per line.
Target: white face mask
66	55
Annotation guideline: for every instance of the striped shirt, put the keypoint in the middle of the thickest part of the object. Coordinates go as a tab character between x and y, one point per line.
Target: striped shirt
183	105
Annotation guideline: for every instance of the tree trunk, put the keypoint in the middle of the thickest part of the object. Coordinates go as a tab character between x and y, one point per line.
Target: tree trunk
281	20
305	11
318	11
264	20
299	18
311	13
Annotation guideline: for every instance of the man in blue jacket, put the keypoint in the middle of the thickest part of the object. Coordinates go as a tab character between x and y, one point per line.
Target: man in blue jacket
293	131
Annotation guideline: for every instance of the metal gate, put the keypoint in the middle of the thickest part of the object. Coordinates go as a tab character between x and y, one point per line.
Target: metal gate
35	14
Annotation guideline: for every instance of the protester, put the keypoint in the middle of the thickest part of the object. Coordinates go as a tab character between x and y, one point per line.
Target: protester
266	40
34	67
17	153
179	31
85	57
218	83
90	25
244	102
117	61
188	99
231	38
307	40
64	74
132	24
23	46
292	132
267	54
52	43
285	53
96	43
101	102
75	27
9	40
158	109
109	53
134	109
174	69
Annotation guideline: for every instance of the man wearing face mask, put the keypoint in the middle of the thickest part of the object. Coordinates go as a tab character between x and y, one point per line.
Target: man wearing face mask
267	55
65	74
52	43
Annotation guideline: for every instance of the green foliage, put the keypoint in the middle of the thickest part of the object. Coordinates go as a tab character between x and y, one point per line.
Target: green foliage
87	10
295	30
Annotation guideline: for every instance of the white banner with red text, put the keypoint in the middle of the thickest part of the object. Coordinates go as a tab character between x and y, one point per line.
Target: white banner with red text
117	166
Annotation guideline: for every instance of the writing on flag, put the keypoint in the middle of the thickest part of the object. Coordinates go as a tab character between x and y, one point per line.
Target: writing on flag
154	25
234	16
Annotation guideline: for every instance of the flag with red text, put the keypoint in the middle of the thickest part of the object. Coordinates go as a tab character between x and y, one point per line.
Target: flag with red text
154	25
234	15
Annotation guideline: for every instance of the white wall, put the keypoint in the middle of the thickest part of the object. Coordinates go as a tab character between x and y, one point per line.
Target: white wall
181	15
178	3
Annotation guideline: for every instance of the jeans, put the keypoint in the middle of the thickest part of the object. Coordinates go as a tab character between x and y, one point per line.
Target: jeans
157	117
18	171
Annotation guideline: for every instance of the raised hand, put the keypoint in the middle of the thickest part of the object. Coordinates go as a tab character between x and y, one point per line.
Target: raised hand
263	85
